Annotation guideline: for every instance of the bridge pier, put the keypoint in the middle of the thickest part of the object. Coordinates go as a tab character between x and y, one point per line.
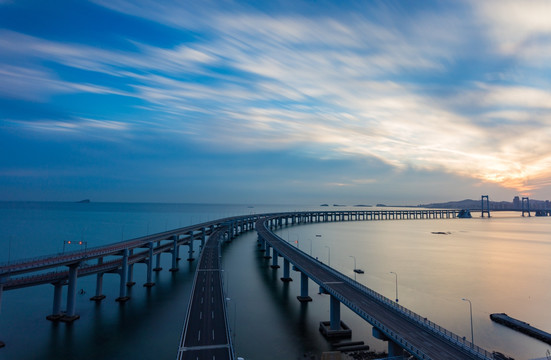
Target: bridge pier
267	253
70	315
190	247
275	264
525	208
158	260
286	270
174	254
99	284
203	237
56	310
485	200
335	328
149	263
123	272
394	349
130	282
304	288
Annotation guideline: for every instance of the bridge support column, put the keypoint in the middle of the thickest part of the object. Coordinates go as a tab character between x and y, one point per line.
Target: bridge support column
485	204
525	208
267	253
70	315
56	310
275	264
304	288
190	245
335	313
158	260
99	285
124	275
149	263
203	237
286	269
335	328
393	348
174	254
262	244
130	282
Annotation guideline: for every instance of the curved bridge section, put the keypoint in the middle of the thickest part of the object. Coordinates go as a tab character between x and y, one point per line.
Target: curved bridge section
118	258
402	328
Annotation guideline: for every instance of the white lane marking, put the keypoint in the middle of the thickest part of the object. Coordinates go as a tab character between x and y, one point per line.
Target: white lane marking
199	336
201	315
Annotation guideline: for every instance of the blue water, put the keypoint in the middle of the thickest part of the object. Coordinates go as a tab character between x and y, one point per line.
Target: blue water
501	264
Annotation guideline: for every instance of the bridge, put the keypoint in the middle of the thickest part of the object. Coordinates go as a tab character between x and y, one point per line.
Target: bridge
403	329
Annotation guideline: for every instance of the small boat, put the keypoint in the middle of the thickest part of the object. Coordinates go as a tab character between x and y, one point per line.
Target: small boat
359	271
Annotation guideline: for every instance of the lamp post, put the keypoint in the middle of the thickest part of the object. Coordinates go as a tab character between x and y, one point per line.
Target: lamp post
392	272
353	257
471	312
328	255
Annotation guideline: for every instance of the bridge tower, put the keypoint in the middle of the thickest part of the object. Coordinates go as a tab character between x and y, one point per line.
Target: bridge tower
526	208
487	202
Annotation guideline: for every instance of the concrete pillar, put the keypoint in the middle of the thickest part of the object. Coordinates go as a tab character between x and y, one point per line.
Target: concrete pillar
158	260
335	313
149	263
174	254
275	264
56	309
267	253
130	282
71	294
203	237
124	274
304	288
286	268
190	245
99	285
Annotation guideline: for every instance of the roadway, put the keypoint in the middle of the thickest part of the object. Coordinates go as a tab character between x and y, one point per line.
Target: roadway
396	323
205	333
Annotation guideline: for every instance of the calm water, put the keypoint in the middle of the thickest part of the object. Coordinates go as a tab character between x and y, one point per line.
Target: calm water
501	264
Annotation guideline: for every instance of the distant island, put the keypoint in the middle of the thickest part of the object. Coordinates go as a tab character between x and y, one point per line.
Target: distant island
85	201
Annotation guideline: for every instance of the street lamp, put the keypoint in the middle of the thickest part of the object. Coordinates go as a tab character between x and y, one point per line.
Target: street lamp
392	272
328	255
471	312
353	257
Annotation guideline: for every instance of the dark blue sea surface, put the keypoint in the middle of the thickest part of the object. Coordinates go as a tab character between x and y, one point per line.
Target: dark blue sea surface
501	264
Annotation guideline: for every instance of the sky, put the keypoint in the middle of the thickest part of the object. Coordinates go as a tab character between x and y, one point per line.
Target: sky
291	102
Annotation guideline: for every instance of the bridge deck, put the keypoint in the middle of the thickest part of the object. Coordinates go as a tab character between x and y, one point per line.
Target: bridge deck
205	333
419	340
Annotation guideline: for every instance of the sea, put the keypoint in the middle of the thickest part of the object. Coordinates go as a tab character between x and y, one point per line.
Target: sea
502	264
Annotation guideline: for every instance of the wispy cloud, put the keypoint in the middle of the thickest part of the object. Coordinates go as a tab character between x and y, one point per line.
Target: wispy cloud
347	85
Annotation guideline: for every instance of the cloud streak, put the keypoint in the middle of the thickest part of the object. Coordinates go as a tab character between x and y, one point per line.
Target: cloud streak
335	86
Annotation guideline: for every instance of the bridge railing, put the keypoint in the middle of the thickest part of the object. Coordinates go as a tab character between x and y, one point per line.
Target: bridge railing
459	341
